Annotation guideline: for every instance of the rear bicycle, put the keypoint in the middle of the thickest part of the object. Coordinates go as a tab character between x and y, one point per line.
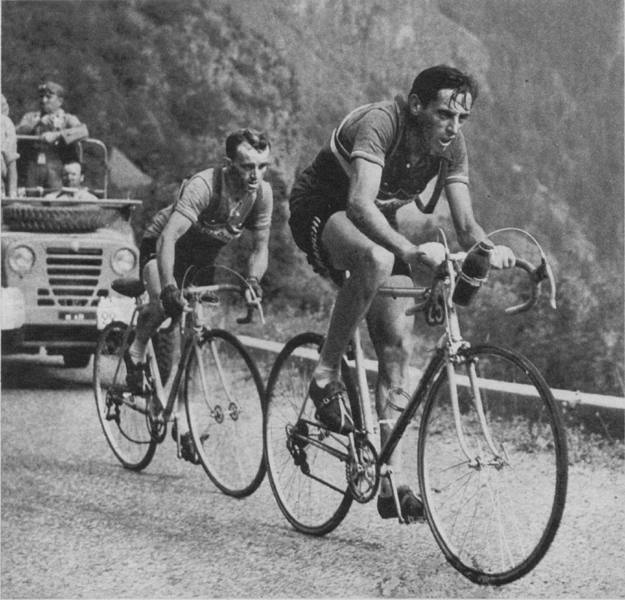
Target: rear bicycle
309	467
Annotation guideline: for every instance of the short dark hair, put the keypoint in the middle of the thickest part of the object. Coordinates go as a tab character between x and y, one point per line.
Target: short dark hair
442	77
256	139
75	161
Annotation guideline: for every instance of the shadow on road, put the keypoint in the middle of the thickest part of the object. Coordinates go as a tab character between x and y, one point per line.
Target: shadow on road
23	372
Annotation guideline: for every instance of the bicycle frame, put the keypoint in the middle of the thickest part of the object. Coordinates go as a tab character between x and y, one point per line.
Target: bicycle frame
449	348
190	334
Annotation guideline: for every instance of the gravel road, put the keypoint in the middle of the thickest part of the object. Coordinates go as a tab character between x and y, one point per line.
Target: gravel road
77	525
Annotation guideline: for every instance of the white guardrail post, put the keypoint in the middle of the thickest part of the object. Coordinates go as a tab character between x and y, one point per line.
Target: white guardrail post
572	398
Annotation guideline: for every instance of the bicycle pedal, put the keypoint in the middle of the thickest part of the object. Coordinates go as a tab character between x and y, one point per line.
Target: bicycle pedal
112	413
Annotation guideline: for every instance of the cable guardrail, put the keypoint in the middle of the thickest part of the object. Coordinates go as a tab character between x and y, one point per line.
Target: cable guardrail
570	397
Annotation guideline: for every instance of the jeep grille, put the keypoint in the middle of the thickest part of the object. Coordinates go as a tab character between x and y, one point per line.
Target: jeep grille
73	277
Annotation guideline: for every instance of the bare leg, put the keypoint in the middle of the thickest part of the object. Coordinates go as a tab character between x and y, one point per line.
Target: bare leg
151	314
392	337
369	266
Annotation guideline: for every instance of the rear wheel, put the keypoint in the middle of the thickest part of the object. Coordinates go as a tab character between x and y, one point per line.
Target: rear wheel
494	513
123	422
308	479
224	393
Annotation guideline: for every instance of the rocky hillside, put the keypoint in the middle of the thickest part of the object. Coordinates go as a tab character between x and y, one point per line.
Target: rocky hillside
165	80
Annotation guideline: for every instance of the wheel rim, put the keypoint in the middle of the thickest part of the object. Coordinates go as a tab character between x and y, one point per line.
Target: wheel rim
494	517
226	421
312	506
127	433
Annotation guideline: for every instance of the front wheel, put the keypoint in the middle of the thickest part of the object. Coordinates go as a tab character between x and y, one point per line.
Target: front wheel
495	512
223	392
121	415
307	466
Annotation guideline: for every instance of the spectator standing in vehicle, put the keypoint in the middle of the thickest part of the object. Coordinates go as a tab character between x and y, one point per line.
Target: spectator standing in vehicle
213	208
9	153
58	133
344	216
73	179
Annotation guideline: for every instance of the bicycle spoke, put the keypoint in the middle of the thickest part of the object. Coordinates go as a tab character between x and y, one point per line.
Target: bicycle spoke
124	425
495	514
223	394
307	477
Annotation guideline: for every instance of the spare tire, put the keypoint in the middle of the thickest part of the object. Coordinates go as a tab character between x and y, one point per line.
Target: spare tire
54	219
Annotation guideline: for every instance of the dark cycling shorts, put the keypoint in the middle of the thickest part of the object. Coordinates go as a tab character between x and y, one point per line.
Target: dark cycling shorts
309	214
193	251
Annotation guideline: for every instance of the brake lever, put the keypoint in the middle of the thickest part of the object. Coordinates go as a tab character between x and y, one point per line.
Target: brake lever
254	304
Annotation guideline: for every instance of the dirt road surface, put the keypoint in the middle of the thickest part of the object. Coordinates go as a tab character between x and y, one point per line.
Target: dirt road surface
75	524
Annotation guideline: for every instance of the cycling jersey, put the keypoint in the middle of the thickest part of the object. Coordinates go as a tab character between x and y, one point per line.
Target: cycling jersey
377	133
214	212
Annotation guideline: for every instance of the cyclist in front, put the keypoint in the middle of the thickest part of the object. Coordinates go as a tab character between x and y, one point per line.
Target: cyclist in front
213	208
344	217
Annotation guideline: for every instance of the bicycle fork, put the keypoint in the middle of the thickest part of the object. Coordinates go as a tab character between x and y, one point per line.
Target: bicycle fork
476	461
217	412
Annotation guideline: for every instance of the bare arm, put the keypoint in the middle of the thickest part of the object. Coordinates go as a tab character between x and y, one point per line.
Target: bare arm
362	212
259	258
468	230
11	180
176	227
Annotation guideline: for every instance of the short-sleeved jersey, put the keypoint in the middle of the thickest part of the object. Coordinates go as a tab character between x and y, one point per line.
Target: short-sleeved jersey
213	210
378	133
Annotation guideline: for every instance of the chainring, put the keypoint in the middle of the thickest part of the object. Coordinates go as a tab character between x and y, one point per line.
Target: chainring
363	471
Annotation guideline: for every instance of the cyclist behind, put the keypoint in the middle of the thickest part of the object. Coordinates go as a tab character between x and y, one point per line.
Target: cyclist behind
212	209
344	216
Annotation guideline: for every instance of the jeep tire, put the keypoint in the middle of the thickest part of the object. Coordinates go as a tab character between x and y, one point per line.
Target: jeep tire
54	219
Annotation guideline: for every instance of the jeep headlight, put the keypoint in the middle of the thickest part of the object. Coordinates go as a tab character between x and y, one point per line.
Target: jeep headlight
123	261
21	260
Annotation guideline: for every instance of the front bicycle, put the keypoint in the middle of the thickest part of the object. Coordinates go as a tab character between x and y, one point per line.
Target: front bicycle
223	392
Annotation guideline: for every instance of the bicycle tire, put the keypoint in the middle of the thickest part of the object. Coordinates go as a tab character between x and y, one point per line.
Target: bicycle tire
226	423
127	433
494	519
309	505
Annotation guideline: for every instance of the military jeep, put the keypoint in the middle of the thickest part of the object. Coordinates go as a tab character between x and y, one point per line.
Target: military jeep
59	258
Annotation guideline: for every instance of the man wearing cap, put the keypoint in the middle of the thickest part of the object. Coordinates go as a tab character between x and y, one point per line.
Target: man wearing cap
57	130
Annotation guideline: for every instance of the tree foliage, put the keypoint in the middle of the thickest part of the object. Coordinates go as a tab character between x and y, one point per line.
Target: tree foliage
165	81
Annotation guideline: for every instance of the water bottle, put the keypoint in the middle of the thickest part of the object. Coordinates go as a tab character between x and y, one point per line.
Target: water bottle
474	270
